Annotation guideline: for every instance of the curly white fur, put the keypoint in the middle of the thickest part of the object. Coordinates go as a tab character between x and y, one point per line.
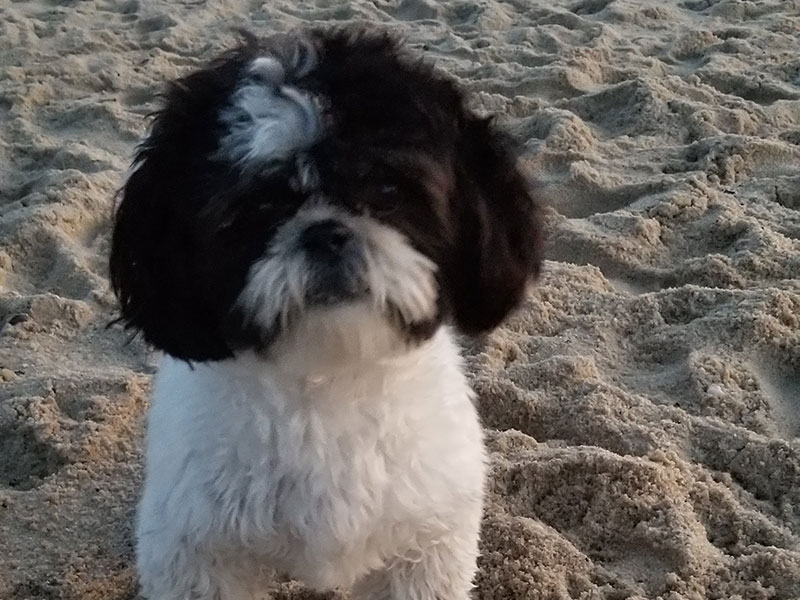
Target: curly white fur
370	475
268	120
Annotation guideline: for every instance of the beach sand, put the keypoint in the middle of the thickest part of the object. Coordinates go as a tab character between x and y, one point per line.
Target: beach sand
642	408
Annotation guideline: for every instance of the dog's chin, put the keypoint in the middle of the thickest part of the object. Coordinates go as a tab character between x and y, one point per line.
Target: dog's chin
334	335
333	289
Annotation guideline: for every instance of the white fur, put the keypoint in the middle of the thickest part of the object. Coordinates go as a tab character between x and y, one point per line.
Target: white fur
361	469
268	68
397	274
268	120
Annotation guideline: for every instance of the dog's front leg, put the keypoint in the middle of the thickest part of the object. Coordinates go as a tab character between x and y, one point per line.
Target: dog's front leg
443	571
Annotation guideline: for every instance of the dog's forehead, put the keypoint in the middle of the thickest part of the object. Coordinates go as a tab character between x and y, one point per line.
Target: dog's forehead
293	94
267	119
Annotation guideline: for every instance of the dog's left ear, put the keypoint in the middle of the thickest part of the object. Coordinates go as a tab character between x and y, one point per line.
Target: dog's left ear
499	240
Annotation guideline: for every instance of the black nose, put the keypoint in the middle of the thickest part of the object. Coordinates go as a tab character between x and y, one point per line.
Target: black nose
325	238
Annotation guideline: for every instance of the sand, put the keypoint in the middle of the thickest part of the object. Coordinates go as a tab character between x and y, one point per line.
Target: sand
642	408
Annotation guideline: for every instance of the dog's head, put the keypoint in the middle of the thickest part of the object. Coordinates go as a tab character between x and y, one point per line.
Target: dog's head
315	186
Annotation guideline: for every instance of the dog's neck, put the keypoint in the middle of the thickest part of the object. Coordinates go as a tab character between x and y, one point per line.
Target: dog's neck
340	342
341	380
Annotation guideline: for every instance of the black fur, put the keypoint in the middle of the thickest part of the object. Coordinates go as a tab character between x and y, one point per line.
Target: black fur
399	144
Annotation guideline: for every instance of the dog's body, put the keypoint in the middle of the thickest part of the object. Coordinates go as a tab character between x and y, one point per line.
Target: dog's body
309	220
324	478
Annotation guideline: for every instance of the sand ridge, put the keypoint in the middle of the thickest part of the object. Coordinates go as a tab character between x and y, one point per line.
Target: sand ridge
642	409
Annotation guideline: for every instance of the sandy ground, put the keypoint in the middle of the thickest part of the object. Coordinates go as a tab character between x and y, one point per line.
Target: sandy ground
643	408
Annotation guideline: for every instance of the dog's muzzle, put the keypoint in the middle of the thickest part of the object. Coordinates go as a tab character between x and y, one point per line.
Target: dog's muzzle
336	261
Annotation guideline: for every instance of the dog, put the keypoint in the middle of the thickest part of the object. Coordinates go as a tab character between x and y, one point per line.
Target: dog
309	223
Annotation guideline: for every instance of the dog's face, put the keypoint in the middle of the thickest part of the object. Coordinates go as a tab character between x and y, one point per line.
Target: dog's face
316	187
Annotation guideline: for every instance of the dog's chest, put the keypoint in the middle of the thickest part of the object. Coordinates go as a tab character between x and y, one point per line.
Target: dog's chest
321	475
322	480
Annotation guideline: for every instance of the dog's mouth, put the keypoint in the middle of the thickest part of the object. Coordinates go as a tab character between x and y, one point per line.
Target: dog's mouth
335	288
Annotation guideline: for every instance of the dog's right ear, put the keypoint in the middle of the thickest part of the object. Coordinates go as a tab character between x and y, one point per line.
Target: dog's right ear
152	272
162	290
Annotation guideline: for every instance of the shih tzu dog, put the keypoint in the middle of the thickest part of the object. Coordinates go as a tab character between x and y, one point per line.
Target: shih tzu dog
310	220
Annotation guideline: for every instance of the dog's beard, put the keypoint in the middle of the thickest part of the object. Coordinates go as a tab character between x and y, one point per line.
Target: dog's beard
355	298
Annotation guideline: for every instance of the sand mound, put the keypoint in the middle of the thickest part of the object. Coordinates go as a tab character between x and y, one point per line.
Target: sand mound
643	407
